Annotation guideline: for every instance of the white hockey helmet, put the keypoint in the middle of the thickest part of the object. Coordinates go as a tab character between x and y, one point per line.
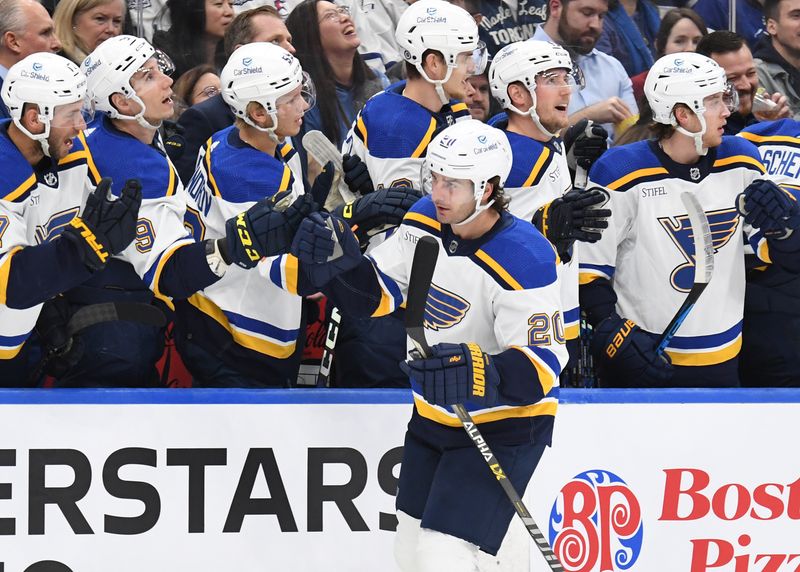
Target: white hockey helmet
687	78
443	27
263	72
109	69
523	62
48	81
469	150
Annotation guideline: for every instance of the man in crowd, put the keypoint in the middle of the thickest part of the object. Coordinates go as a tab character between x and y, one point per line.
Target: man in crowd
778	55
479	100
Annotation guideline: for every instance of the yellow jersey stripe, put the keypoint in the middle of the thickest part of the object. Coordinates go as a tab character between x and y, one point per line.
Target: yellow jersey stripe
291	270
425	140
362	129
5	269
22	189
90	160
707	358
586	278
211	180
435	414
287	175
74	156
492	263
572	332
157	276
763	251
460	106
12	353
637	174
546	377
769	138
540	162
248	341
739	159
427	221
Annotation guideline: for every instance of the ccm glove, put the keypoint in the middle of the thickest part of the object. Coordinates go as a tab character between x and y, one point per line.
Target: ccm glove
356	175
327	247
575	216
376	211
585	142
106	226
764	205
456	373
627	355
265	229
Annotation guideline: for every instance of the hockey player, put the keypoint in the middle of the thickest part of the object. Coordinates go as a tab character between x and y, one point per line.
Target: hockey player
494	307
533	81
127	83
771	328
636	277
54	234
386	147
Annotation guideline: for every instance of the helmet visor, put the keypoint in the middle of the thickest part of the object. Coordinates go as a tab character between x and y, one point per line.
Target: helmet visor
478	59
73	115
305	97
426	178
728	99
561	78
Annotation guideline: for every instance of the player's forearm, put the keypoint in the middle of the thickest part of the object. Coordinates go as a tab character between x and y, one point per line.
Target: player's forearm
522	383
786	253
38	273
356	292
186	272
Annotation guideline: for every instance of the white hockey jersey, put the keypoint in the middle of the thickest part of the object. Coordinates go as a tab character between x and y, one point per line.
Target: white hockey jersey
244	306
778	142
539	174
648	250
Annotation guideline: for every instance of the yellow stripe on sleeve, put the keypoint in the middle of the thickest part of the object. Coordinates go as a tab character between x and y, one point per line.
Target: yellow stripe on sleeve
707	358
5	269
740	159
425	140
362	129
540	162
89	159
291	270
22	189
492	263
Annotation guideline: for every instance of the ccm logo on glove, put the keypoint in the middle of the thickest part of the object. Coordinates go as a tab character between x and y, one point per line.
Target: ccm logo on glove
619	338
244	238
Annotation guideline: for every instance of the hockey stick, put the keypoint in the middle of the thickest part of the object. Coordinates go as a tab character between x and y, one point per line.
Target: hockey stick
703	266
419	284
323	151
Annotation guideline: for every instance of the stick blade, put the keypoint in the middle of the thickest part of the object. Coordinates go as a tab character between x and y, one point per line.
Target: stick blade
419	283
703	243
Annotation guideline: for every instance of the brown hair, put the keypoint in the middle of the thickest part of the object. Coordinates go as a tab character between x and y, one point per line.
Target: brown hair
668	22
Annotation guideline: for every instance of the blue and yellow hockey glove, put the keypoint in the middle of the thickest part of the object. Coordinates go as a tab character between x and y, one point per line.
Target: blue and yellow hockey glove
456	373
764	205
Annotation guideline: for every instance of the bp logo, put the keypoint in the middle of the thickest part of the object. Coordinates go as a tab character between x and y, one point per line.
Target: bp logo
596	524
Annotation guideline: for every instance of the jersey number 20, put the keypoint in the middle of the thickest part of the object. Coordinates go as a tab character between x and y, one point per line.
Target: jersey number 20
544	329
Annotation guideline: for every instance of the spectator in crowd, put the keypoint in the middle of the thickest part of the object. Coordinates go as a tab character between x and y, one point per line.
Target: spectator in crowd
375	23
608	96
778	54
195	36
195	86
629	33
25	28
648	246
82	25
730	51
479	100
749	17
203	120
327	46
502	22
680	31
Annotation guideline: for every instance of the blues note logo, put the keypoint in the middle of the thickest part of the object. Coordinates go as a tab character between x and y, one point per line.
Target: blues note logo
444	309
723	225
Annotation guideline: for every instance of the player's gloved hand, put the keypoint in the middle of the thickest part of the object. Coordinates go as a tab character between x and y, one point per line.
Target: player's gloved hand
456	373
323	184
326	246
106	226
585	142
356	175
766	206
62	352
578	215
377	211
265	229
627	355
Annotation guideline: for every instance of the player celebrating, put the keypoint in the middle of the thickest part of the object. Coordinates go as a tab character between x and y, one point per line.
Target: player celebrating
46	247
648	249
533	81
494	306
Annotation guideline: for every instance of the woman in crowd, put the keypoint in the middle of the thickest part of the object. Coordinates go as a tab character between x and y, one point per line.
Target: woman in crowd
82	25
195	36
195	86
327	46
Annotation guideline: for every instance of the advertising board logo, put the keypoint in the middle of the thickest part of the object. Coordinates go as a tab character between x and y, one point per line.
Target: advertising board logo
595	524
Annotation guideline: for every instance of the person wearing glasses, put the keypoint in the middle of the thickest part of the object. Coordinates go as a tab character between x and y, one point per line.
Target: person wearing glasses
634	279
195	86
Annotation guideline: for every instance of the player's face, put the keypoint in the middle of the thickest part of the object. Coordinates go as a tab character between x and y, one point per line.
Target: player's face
683	37
337	33
553	91
581	23
478	99
68	120
291	108
785	31
453	198
96	25
716	116
740	70
154	88
457	87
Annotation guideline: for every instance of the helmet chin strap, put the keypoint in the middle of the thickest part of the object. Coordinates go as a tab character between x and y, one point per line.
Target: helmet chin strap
533	115
139	117
268	130
40	137
438	83
698	137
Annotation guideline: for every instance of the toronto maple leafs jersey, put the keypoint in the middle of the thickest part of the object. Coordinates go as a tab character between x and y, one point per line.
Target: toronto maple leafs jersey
160	231
391	135
648	249
500	291
249	318
539	175
35	206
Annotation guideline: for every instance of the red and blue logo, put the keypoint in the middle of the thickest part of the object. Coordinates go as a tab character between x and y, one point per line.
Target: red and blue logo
596	524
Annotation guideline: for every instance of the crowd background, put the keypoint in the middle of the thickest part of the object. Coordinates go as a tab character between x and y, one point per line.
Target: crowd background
349	50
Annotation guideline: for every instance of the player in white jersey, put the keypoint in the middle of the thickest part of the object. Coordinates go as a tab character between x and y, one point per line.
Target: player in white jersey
771	328
636	277
53	233
494	303
127	83
533	81
244	330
